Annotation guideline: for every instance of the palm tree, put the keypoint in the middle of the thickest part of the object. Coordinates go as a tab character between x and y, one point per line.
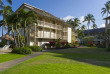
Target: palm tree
4	12
106	9
75	22
83	27
27	18
94	26
89	18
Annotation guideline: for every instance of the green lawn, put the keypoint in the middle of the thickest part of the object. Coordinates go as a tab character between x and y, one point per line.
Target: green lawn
68	61
8	57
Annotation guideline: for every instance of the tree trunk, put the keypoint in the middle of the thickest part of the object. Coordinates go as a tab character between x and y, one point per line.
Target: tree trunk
17	37
25	34
14	37
88	29
2	30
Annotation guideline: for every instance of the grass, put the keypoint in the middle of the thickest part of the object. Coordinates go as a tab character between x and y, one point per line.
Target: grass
68	61
8	57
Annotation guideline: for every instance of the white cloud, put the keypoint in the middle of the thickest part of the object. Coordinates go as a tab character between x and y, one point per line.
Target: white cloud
102	25
68	17
81	18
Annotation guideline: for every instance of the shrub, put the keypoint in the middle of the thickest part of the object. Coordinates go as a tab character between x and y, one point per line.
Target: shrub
24	50
58	43
101	46
94	45
35	48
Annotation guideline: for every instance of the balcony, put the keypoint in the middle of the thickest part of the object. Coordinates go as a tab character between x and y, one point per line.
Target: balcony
47	24
59	36
40	23
59	27
65	30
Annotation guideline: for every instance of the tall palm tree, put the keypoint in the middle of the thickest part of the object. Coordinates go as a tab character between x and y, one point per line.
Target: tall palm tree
106	9
5	11
89	18
75	22
94	26
27	18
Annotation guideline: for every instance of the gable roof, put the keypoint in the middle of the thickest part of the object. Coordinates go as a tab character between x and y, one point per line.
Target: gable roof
98	30
42	12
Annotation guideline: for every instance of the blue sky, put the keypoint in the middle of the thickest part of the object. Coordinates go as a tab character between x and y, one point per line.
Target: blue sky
66	9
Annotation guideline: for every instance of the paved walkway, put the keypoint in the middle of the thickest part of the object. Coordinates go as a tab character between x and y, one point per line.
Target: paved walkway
11	63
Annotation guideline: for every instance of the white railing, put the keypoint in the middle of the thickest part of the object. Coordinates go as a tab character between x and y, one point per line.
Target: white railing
47	24
40	23
59	27
64	29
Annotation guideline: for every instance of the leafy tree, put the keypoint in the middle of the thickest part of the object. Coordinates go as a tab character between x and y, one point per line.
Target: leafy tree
94	26
6	10
106	9
89	18
83	27
75	22
27	18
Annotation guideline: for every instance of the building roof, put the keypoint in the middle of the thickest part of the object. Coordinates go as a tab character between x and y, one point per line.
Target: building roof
107	18
98	30
42	12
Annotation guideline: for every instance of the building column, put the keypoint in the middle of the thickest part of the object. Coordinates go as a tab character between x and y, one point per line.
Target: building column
35	34
62	30
43	28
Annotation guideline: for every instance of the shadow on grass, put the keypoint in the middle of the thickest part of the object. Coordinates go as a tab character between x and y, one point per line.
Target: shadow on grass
94	56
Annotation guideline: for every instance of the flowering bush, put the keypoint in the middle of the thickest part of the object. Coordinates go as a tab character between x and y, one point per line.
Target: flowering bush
52	43
91	43
76	42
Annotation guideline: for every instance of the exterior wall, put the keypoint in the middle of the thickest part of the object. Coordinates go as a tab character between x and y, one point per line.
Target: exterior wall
48	30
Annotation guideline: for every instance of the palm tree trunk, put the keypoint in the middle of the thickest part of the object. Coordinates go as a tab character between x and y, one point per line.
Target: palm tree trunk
88	29
2	30
14	36
17	37
25	34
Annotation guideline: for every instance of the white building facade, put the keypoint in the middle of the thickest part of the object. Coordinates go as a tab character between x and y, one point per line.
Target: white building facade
49	28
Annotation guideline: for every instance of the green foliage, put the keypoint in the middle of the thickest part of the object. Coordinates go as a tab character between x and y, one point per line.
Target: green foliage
58	43
101	46
89	45
12	44
2	43
35	48
88	39
94	45
24	50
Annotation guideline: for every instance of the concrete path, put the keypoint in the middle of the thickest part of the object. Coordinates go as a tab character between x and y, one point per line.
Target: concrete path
11	63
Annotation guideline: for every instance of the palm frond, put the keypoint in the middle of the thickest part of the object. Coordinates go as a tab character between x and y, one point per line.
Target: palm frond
9	1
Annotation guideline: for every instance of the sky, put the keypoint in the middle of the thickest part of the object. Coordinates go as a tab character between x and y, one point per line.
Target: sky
67	9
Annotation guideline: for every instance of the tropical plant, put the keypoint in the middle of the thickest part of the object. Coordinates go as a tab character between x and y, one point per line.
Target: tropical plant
89	18
88	39
6	10
27	18
75	22
106	9
94	26
83	27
